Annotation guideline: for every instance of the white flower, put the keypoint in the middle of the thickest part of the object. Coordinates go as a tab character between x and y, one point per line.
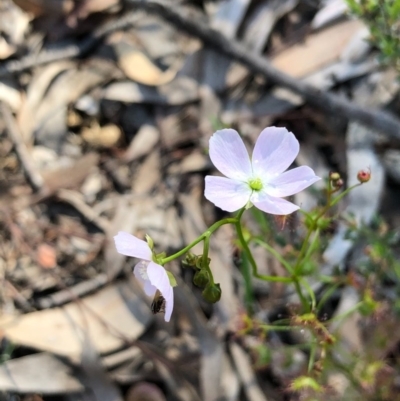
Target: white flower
151	275
262	180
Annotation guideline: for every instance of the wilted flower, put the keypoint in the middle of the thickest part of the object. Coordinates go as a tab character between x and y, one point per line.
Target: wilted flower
261	180
151	275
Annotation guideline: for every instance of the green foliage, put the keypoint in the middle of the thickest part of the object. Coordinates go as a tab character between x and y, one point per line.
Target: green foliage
383	19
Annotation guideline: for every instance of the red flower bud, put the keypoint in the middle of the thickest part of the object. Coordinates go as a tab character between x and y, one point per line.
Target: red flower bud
364	175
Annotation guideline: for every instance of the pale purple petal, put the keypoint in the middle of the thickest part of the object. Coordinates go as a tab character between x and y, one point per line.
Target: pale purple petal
269	204
291	182
229	155
227	194
129	245
148	288
159	279
169	304
275	150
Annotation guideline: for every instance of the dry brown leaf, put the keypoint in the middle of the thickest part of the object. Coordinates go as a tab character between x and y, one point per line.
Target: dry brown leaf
113	312
318	50
243	365
14	24
179	91
38	85
138	67
72	176
148	175
39	373
143	142
46	7
102	137
10	94
94	375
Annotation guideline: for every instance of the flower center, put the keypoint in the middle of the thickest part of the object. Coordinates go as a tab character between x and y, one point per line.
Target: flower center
256	184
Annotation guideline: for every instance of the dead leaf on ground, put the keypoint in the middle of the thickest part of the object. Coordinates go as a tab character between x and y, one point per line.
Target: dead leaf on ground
102	137
181	90
138	67
38	373
304	58
60	330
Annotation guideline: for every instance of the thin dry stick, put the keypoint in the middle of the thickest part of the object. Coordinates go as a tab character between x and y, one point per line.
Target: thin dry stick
65	52
33	175
380	120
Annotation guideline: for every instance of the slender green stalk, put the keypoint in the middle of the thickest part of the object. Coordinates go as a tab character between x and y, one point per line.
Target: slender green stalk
207	233
205	263
347	313
276	328
248	286
310	292
313	352
250	257
328	293
276	254
303	299
312	245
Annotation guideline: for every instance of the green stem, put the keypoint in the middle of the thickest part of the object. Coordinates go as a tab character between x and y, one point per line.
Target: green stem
343	194
250	257
327	294
207	233
312	245
303	299
311	293
313	352
276	328
347	313
276	254
205	263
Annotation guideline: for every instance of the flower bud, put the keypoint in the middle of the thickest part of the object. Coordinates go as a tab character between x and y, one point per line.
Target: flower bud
338	184
212	293
201	278
190	260
334	176
364	175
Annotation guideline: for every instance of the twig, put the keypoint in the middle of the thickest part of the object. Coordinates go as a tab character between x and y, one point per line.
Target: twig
33	175
380	120
74	200
77	50
72	293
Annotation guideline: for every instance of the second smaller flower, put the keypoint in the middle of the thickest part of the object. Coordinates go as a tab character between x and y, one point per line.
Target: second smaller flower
151	275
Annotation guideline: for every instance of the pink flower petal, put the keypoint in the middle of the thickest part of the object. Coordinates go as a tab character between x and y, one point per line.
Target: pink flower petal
291	182
275	150
269	204
169	305
229	155
159	279
129	245
227	194
148	288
